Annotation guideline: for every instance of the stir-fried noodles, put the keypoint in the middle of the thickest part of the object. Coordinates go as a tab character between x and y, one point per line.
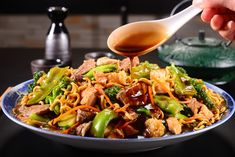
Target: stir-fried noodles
113	98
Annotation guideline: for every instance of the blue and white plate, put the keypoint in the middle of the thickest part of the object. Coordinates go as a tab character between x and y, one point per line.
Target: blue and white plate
10	99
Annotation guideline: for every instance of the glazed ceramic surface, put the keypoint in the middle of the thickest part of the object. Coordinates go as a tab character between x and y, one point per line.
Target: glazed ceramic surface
207	58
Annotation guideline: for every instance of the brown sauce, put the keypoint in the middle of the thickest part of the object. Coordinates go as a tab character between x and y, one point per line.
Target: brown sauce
143	36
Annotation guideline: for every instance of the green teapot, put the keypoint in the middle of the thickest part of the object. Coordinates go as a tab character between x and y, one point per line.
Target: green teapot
207	58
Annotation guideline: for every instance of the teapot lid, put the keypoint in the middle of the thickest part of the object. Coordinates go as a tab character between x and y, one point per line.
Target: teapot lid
201	41
198	52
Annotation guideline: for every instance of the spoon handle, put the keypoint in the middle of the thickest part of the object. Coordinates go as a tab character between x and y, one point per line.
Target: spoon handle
178	20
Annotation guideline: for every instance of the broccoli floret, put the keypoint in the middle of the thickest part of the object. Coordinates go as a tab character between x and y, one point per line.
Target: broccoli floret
57	90
112	92
202	93
186	111
36	77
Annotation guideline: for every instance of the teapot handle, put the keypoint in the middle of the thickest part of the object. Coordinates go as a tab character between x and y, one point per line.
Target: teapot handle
177	6
173	11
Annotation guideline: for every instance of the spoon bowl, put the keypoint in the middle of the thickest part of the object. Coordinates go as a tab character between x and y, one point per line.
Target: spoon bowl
139	38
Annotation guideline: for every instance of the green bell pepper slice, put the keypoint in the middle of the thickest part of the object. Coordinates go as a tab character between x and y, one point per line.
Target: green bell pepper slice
67	121
101	121
144	110
202	93
37	117
53	77
182	86
143	70
101	68
171	106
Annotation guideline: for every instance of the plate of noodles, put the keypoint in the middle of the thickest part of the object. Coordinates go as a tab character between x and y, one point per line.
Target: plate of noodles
117	105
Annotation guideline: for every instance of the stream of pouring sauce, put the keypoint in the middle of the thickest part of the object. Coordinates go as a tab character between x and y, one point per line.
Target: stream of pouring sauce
138	38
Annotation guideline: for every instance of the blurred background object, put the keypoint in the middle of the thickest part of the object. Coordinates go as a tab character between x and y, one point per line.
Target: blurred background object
25	23
44	64
208	58
57	43
96	54
202	57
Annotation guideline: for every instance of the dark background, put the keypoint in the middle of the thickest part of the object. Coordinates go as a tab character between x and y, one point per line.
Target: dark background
15	68
88	6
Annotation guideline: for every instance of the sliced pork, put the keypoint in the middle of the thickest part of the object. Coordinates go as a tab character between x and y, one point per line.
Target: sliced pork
89	96
106	60
174	125
37	109
84	116
85	67
82	129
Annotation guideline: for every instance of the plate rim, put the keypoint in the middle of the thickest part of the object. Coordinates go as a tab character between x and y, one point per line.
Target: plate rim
163	138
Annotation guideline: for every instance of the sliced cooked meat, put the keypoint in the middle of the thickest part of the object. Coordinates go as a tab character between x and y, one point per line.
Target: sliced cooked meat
119	77
126	63
135	61
100	77
154	128
82	129
84	116
130	130
174	125
134	96
89	96
130	115
85	67
38	109
116	133
206	112
194	105
106	60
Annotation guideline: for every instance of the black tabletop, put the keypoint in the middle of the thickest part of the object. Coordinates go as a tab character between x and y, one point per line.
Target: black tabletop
16	140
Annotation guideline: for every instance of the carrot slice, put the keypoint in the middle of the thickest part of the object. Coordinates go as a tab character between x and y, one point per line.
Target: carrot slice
57	119
165	88
150	94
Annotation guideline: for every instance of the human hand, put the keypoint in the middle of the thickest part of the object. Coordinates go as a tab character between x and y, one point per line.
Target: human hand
220	14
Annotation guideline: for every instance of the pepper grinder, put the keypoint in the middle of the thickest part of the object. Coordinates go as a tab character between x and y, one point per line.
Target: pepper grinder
57	45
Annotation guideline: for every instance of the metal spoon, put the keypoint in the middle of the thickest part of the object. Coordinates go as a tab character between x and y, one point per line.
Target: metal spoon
139	38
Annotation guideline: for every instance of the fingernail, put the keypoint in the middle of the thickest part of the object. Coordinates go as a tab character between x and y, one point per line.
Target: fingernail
231	25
